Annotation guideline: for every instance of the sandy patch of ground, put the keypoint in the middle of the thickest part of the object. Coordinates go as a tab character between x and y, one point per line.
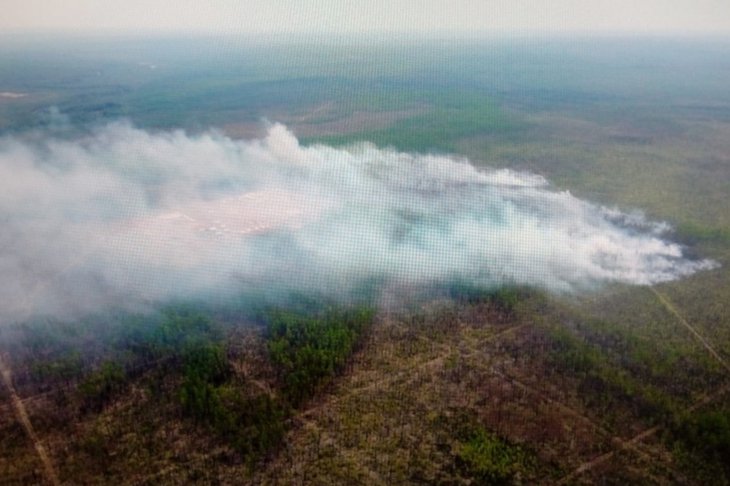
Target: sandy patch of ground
11	95
246	130
358	121
251	212
321	121
186	234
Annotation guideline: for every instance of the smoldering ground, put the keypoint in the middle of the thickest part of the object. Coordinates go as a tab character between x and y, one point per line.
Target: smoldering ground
122	217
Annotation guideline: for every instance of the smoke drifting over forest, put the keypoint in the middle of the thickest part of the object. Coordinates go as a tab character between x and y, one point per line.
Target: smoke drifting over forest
121	217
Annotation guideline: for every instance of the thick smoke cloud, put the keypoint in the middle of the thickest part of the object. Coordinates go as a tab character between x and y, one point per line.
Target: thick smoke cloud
121	217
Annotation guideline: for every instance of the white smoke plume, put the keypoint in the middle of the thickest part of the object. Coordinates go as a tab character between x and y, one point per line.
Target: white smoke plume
121	217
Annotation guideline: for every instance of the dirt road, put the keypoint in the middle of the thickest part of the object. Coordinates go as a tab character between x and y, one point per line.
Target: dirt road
22	415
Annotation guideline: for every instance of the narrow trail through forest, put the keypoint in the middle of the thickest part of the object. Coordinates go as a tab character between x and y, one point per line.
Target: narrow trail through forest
22	415
586	466
672	310
596	461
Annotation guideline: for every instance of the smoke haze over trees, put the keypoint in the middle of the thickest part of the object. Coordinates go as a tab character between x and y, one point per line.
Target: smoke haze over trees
121	216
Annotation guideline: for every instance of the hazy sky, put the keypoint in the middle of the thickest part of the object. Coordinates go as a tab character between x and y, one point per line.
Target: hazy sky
346	16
